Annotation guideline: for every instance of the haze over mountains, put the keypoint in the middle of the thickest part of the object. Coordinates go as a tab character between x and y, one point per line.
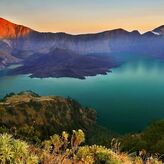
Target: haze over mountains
21	44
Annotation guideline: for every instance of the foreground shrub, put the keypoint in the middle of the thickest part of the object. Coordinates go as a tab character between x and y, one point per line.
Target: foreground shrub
15	151
64	149
67	149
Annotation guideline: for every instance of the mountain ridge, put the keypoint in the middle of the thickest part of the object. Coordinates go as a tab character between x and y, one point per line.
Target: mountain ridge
24	42
159	30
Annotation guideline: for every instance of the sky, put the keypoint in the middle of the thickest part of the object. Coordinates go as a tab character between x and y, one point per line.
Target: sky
84	16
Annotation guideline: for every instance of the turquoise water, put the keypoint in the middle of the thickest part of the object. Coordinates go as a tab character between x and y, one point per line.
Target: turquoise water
126	100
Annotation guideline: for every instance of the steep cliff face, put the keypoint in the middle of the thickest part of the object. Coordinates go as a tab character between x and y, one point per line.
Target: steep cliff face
10	33
10	30
24	39
105	42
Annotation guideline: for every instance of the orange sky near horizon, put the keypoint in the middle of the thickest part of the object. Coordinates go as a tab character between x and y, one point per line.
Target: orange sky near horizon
85	16
85	27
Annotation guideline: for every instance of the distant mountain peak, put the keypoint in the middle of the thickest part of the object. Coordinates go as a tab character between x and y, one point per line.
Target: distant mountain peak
136	32
11	30
159	30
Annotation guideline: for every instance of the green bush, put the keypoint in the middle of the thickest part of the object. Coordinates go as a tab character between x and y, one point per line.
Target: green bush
151	139
15	151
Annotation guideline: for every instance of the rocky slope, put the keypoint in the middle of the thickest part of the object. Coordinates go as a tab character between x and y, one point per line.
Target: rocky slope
5	55
46	114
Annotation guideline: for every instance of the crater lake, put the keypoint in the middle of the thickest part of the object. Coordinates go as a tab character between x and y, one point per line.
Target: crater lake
126	100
